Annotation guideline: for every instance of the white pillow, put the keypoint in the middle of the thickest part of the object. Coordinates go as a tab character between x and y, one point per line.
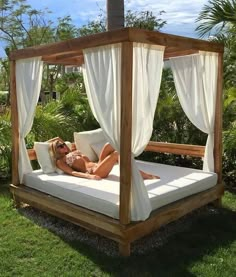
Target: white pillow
84	140
97	147
44	159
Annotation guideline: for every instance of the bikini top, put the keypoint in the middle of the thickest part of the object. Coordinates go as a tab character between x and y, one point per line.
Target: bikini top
72	156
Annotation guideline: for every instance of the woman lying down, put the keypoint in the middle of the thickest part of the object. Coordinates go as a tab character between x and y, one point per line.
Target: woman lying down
76	164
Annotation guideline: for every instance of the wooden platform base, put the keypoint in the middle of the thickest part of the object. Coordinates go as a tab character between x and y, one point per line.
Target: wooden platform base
111	228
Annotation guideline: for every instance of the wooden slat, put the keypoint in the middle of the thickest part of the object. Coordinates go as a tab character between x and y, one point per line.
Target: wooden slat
32	154
62	56
67	60
72	45
172	212
177	42
174	148
88	219
14	124
116	36
126	131
176	53
218	121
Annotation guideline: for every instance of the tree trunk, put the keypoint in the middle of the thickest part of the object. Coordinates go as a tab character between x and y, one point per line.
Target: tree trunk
115	14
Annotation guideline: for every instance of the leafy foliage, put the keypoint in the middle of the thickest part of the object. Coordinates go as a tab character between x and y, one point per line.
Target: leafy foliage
5	145
22	26
94	26
229	137
172	125
216	17
144	20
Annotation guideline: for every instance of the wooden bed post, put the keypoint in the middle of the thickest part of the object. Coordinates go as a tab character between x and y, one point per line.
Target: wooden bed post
14	124
218	126
125	140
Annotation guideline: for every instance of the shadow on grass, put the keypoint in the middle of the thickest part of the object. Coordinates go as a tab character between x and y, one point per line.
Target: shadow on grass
4	187
168	252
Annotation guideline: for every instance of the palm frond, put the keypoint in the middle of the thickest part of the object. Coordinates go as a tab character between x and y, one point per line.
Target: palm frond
216	16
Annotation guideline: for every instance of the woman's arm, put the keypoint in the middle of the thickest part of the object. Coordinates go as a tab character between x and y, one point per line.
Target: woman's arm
68	170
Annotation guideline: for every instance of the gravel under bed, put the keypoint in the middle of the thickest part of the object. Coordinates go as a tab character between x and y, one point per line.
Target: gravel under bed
70	232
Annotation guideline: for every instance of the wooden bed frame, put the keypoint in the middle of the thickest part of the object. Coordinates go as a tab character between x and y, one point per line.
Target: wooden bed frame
123	230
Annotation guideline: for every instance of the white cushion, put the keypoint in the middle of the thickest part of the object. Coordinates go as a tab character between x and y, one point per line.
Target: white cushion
97	147
84	140
44	159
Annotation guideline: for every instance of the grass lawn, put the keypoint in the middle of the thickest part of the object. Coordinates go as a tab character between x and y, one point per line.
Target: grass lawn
205	245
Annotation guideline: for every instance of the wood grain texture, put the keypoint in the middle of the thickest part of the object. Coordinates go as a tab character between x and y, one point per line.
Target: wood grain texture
72	45
172	212
14	124
71	48
174	148
88	219
218	121
126	131
173	43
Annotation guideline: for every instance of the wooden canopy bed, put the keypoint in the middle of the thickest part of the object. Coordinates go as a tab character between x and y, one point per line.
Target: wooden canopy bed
123	230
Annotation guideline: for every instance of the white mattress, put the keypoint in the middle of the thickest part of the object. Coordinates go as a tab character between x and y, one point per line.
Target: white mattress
103	196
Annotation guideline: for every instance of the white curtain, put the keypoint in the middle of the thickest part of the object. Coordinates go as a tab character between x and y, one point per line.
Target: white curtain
102	75
28	84
195	78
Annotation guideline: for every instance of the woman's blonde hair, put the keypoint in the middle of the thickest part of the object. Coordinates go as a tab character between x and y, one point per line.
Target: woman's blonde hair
53	151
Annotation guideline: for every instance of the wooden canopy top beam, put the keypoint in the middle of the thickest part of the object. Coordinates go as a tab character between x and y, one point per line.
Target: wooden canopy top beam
67	52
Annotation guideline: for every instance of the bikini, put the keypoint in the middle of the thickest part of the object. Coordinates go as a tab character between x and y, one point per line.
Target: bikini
71	157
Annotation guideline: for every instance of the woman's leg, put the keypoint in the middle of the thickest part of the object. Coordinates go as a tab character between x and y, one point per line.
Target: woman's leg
148	176
105	166
106	151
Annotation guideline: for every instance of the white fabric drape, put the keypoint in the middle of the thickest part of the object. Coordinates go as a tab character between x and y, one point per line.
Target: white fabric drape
28	84
102	75
195	79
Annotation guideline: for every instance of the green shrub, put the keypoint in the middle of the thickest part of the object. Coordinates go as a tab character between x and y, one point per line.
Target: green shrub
5	145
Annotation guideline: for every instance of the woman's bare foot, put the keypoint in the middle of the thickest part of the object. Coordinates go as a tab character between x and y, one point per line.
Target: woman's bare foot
148	176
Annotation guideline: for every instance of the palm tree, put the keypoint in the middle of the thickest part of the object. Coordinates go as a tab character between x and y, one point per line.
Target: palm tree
217	16
115	14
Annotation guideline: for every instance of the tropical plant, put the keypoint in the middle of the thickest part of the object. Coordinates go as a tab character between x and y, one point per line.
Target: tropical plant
75	105
229	137
5	145
22	26
144	20
49	122
172	125
216	17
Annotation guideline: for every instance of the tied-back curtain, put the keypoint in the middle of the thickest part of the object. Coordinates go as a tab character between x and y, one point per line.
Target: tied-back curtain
102	75
195	78
147	73
28	84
